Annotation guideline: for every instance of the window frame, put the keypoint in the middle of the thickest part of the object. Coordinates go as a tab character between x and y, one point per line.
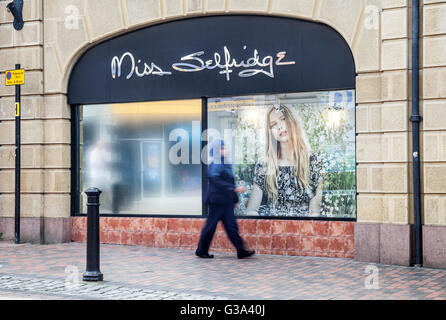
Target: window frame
75	175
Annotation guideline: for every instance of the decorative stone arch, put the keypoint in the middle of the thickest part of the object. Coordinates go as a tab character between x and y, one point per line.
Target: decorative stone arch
78	55
324	60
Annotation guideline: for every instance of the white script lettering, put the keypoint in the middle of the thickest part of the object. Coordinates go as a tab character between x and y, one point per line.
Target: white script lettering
116	65
194	63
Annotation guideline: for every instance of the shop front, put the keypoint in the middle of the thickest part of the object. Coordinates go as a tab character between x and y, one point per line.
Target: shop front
340	147
280	92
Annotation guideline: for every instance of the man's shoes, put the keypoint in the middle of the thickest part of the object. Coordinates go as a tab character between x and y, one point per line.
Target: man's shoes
245	254
204	255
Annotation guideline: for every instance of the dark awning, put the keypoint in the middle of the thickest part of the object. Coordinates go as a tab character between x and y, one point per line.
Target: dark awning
213	56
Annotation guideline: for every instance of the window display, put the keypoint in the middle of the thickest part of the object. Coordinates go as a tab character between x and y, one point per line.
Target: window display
295	153
125	152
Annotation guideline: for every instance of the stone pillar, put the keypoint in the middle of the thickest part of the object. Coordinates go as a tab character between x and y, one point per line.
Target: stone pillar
383	232
63	23
434	132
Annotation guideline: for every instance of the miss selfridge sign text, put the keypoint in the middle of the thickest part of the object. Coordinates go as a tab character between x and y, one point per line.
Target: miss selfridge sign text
129	66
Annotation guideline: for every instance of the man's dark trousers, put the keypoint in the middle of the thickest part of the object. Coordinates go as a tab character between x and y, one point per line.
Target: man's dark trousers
225	213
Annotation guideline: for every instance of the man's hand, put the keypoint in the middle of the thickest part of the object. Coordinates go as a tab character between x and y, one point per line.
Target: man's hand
240	190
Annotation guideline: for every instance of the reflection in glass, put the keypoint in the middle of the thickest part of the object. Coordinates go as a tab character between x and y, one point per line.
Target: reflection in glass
125	153
152	171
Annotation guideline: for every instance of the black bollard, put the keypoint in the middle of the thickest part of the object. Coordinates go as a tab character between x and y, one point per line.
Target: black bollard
93	273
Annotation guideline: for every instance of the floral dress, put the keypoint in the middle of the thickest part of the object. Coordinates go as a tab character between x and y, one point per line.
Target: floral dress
291	201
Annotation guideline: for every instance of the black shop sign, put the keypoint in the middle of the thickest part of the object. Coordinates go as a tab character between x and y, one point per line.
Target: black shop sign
213	56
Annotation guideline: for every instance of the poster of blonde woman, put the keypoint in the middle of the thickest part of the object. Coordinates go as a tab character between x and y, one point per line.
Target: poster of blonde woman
294	153
290	174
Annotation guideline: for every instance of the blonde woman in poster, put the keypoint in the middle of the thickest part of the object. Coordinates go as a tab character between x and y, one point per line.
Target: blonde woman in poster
290	175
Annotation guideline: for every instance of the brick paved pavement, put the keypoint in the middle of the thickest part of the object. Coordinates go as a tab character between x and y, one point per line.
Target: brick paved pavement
60	289
132	272
21	295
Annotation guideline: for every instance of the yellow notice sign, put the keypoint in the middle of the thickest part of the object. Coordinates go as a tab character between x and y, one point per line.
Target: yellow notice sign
15	77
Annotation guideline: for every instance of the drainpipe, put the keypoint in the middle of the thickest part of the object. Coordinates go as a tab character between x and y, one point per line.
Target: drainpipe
416	119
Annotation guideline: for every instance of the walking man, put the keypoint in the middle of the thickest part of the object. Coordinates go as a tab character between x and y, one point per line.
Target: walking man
222	198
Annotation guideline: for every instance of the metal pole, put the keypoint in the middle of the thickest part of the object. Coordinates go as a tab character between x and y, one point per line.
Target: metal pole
17	162
93	273
416	119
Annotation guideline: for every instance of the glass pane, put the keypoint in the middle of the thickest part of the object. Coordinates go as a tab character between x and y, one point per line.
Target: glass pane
295	153
138	155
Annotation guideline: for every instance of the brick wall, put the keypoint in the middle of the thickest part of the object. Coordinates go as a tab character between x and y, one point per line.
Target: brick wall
279	237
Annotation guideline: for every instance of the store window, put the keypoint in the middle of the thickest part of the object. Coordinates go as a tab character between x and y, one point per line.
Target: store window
295	153
131	152
138	139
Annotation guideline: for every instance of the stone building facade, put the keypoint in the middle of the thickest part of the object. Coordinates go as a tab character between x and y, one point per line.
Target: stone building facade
57	32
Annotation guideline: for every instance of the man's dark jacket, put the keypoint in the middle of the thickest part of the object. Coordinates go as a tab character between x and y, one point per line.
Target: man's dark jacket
221	184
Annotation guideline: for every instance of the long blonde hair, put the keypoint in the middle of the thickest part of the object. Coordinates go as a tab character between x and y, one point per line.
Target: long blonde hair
300	152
